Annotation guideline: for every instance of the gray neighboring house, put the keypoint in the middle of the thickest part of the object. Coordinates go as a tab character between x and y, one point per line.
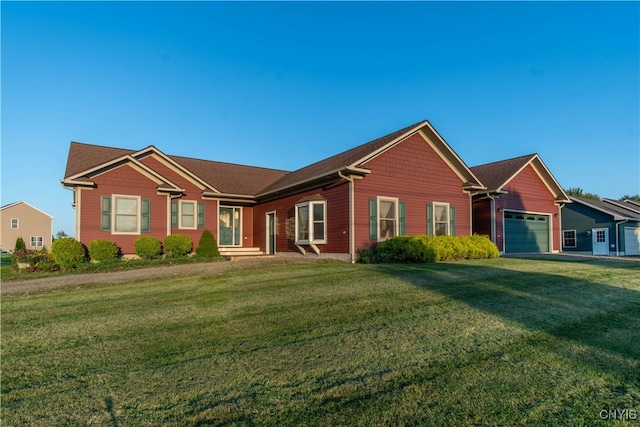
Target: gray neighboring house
20	219
601	227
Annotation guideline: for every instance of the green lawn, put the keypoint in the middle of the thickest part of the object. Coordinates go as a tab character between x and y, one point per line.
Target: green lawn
487	342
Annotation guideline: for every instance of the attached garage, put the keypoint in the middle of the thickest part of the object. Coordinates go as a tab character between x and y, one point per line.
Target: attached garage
526	232
632	241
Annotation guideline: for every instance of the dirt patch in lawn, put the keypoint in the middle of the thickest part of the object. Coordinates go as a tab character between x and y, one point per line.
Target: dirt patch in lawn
207	268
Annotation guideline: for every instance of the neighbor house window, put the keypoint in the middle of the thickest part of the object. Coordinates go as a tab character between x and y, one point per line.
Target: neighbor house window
441	219
36	241
122	214
311	222
569	238
386	218
14	223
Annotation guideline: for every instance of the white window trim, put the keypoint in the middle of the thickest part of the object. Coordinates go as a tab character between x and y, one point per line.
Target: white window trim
396	204
447	207
138	214
38	238
311	240
233	208
17	227
575	239
195	214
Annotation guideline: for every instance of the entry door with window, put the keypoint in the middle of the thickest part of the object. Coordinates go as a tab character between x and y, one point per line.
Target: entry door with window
230	220
600	239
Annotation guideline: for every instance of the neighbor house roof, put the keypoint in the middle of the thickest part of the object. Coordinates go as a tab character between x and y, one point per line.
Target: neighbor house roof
9	205
495	176
616	209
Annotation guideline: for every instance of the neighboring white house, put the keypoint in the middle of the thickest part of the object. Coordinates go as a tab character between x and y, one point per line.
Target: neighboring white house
20	219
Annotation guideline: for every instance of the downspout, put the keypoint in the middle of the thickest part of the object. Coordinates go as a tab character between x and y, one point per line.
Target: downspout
352	243
617	234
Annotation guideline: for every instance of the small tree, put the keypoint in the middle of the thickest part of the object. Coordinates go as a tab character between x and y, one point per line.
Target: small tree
20	245
207	246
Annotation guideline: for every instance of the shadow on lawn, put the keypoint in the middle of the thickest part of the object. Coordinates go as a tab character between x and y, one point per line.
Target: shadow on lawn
598	315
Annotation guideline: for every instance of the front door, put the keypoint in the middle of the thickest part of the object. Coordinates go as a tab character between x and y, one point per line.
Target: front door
600	240
230	220
271	233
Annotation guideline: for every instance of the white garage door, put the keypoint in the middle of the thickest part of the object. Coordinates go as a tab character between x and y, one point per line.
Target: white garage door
631	241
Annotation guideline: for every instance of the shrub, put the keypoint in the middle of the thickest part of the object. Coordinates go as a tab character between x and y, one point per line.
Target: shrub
103	250
365	255
68	252
404	249
207	246
148	247
177	245
33	260
422	248
20	244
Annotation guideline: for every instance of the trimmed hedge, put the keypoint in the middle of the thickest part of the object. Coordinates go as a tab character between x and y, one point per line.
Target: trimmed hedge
422	248
207	246
177	245
103	251
67	252
148	247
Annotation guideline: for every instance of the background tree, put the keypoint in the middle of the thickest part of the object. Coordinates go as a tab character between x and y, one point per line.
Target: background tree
578	192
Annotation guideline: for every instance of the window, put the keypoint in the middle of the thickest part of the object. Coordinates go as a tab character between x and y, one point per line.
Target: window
125	214
601	236
387	218
36	241
441	219
569	238
187	214
14	223
311	222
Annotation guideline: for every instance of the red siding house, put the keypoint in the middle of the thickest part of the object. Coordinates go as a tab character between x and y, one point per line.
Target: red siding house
521	207
407	182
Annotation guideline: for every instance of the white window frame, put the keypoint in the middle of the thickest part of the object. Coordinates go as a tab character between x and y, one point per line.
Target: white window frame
396	213
39	241
17	222
447	222
114	214
181	203
575	239
312	240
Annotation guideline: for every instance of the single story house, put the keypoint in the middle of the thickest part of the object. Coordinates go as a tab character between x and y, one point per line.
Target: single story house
601	227
521	206
20	219
407	182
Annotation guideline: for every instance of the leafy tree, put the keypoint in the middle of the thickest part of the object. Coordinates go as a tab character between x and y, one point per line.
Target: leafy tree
627	197
60	234
578	192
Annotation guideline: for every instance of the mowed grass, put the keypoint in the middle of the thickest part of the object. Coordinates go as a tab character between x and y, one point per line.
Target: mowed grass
487	342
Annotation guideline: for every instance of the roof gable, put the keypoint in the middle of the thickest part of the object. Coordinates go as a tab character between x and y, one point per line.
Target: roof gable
10	205
495	176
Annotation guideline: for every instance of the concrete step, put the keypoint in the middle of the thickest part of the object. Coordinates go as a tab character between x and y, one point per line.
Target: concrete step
239	251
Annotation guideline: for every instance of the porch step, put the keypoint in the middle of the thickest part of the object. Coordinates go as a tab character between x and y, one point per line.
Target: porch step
234	252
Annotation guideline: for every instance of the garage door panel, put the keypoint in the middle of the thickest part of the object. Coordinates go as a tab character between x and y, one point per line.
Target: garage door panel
631	241
526	232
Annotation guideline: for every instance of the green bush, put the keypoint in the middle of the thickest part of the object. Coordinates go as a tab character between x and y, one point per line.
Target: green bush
365	255
148	247
177	245
20	244
207	246
67	252
103	250
423	248
403	249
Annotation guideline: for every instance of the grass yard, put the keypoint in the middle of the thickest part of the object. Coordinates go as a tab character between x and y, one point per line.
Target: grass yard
486	342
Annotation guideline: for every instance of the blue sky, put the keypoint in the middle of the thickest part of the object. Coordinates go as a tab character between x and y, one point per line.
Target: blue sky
285	84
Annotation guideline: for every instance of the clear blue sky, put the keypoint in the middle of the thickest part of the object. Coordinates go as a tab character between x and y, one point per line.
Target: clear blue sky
285	84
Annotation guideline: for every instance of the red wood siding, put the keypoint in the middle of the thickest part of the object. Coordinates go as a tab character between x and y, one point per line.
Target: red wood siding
414	173
482	217
527	192
125	180
337	220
